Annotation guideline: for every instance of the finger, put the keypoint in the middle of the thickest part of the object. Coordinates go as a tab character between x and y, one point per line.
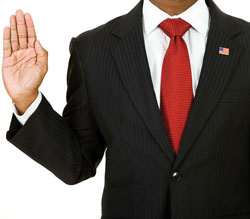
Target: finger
21	29
30	29
14	39
42	56
6	43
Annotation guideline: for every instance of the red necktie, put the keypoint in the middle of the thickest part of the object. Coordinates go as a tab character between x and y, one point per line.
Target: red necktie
176	81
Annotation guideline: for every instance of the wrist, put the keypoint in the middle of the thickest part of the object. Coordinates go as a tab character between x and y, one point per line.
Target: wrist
23	103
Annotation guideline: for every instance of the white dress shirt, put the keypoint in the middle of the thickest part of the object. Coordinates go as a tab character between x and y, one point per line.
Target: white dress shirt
156	43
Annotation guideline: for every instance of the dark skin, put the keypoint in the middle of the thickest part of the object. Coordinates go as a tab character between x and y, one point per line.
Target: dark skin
173	7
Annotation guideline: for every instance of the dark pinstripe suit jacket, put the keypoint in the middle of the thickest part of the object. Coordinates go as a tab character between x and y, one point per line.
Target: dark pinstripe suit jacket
111	105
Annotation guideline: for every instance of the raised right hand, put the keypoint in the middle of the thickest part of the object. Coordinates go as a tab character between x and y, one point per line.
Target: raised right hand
25	62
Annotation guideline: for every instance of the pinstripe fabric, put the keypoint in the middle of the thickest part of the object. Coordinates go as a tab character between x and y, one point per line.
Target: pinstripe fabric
111	108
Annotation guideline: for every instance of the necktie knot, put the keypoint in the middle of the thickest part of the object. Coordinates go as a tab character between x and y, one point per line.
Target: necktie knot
174	27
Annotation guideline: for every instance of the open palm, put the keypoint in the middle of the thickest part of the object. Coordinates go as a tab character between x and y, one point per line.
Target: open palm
25	62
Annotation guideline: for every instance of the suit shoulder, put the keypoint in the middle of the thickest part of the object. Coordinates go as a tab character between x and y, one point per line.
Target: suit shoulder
243	25
97	34
95	43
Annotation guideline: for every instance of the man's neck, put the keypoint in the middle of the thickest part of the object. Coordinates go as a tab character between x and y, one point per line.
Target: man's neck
173	7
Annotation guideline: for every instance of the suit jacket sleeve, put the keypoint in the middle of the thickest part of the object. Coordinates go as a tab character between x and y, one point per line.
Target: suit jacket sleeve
71	146
31	109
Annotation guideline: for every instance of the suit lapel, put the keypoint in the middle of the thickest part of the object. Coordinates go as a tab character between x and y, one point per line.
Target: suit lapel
215	73
130	57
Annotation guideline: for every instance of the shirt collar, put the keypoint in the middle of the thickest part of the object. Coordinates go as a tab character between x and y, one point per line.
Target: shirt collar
197	16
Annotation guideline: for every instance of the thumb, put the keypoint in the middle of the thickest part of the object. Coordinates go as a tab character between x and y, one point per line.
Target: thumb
38	48
42	56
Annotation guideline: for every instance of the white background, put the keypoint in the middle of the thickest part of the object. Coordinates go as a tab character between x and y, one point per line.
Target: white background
27	190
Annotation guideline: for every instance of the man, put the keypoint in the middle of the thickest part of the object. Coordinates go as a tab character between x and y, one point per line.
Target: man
176	148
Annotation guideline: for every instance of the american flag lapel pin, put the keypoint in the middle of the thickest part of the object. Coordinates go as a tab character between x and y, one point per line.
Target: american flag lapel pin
223	51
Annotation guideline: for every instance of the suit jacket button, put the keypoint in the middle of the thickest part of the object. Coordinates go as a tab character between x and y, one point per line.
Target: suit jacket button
176	176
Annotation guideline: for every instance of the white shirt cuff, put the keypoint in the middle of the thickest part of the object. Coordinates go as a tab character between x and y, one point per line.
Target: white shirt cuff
23	118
